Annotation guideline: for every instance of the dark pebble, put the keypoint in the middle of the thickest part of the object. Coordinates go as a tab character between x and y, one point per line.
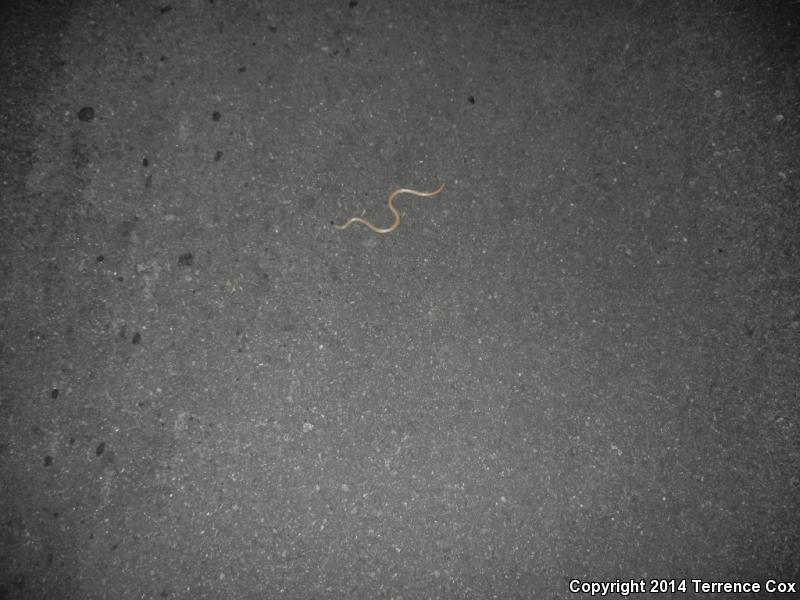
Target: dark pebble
86	114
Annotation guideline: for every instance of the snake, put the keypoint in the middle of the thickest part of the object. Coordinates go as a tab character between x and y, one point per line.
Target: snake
396	214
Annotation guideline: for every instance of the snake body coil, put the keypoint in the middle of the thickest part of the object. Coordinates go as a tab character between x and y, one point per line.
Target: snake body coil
396	214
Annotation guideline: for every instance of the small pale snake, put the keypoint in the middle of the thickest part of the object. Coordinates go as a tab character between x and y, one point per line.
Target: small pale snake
392	196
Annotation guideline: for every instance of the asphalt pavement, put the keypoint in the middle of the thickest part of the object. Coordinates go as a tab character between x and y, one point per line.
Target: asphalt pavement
573	373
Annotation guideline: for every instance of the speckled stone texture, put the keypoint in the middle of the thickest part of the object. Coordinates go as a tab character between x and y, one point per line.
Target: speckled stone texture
579	362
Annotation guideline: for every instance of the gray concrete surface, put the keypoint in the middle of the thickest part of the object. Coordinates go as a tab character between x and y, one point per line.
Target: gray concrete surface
579	362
